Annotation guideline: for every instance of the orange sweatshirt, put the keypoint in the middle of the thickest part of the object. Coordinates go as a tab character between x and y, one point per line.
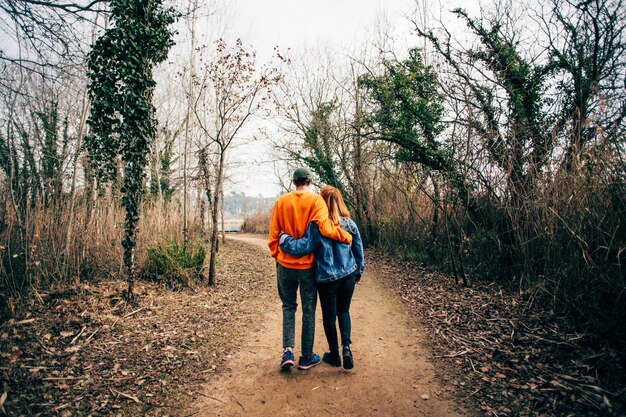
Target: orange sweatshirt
292	214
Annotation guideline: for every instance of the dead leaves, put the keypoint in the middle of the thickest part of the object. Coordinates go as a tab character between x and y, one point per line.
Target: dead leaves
85	351
507	358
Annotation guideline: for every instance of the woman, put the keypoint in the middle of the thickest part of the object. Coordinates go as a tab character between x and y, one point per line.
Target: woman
339	267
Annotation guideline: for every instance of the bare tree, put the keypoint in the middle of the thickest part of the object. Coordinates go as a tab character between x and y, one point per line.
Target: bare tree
47	35
231	90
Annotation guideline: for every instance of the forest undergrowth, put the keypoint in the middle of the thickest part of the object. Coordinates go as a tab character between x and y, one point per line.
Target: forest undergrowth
85	350
505	352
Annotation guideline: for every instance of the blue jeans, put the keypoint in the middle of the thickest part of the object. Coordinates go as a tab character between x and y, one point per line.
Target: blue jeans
288	282
335	298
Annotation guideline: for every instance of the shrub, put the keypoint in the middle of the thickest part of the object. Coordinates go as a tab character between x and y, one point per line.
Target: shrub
175	262
258	222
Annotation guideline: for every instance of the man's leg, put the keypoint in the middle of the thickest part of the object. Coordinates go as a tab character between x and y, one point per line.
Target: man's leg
308	298
288	293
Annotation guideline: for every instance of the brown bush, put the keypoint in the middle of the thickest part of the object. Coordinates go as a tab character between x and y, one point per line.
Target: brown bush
257	222
33	248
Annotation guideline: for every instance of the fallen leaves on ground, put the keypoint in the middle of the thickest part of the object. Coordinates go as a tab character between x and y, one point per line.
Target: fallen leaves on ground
86	351
506	355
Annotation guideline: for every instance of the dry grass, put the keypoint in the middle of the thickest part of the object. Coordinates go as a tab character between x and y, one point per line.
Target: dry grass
85	351
257	222
33	248
565	240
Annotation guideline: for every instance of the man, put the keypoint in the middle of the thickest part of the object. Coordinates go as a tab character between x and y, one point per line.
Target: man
292	214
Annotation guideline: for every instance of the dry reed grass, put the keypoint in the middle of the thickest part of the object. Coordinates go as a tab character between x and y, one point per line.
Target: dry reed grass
33	247
257	222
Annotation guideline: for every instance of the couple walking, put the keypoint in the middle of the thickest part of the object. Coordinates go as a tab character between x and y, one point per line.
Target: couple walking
317	248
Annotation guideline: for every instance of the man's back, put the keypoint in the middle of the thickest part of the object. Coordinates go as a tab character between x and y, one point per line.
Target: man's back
292	214
295	210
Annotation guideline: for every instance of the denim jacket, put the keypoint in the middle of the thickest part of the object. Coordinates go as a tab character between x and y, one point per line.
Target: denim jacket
334	260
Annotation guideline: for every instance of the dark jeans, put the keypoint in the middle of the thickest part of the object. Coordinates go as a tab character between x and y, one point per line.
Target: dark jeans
288	282
335	298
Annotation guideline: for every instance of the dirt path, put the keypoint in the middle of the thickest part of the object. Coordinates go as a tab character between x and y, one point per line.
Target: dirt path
392	375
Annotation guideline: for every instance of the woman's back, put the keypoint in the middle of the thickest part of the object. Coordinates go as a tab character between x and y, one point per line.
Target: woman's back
334	260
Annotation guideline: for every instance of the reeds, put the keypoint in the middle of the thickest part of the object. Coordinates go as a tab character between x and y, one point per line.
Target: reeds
36	255
257	222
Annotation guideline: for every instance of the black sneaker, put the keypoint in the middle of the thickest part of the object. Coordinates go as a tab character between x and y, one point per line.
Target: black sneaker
332	358
348	361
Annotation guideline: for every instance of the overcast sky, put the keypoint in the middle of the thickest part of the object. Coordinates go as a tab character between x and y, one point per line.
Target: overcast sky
296	24
337	25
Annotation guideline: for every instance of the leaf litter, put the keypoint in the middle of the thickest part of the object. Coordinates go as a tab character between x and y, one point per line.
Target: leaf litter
503	356
85	351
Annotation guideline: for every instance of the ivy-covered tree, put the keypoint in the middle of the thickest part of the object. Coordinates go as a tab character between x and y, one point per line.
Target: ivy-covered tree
319	149
122	118
516	130
407	110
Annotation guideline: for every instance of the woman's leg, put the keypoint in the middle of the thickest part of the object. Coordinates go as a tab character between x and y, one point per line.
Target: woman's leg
328	301
345	289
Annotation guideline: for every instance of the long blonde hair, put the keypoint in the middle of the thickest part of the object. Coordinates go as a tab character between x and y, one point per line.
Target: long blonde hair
336	207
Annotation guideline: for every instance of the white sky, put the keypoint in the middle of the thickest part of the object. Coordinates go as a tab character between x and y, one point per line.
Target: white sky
297	25
295	22
294	25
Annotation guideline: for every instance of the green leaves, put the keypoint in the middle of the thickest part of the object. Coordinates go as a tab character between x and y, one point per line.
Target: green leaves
407	110
122	116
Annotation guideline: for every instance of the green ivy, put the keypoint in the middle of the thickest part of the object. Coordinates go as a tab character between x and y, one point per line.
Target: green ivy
121	86
407	110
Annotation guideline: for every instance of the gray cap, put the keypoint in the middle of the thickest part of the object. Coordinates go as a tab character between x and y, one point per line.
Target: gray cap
302	172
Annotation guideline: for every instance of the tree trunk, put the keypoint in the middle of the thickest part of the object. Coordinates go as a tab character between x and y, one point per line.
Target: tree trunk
222	215
362	193
132	203
202	208
186	144
214	212
185	230
436	200
81	127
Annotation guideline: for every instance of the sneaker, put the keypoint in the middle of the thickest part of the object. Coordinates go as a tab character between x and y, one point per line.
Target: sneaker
306	362
332	358
348	361
287	361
